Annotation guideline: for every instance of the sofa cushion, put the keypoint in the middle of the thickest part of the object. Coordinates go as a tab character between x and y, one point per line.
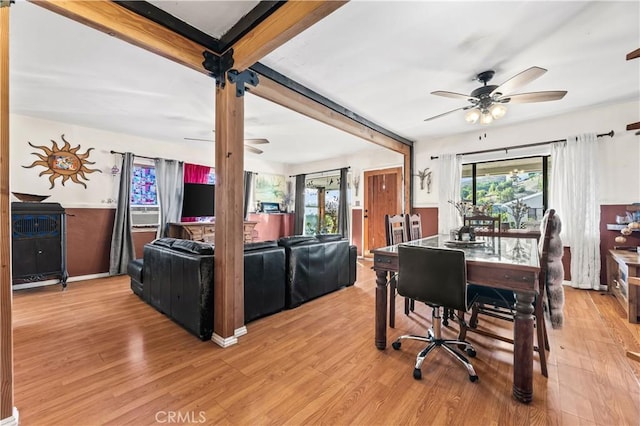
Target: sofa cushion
260	245
329	237
295	240
192	247
163	242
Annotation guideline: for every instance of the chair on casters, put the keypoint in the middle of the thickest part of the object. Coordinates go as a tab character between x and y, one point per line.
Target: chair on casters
437	277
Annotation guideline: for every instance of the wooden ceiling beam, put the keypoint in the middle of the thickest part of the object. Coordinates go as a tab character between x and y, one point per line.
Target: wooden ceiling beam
288	98
285	23
117	21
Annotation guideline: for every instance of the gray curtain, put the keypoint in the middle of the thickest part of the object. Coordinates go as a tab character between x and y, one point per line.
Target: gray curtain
248	191
343	209
170	189
121	239
298	218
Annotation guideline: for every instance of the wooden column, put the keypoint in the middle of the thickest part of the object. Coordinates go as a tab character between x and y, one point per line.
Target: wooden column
6	331
229	244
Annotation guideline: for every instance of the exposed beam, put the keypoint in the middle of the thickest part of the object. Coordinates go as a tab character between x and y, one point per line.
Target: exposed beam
111	18
6	327
633	126
115	20
633	55
288	21
288	98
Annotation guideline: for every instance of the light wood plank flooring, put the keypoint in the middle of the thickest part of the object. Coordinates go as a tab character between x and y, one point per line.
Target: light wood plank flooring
96	354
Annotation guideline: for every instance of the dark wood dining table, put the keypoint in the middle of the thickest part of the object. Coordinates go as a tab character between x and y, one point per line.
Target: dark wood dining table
493	261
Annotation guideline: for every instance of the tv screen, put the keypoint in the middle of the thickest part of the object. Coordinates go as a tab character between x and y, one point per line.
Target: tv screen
198	200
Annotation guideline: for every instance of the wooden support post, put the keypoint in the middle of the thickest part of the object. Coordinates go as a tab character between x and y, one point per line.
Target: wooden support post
6	330
228	321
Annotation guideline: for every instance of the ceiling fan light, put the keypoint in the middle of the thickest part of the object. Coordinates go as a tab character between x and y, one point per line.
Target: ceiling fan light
472	115
497	111
486	117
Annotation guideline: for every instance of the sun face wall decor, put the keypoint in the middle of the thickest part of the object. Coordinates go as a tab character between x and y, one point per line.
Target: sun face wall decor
65	162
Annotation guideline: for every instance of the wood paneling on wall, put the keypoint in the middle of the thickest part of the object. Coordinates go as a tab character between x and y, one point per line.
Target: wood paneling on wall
140	238
89	240
356	229
429	219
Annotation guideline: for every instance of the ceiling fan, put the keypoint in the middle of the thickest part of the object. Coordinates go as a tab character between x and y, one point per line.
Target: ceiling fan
488	101
247	143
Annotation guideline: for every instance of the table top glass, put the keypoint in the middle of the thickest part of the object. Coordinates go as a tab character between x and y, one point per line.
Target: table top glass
515	251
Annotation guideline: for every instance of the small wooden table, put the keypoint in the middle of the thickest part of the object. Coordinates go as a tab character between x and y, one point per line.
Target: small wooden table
508	263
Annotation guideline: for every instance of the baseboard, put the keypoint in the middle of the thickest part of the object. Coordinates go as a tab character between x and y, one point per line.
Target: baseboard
224	342
240	331
11	421
54	282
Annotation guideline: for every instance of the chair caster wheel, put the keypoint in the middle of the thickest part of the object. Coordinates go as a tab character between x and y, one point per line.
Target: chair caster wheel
473	378
472	353
417	374
396	345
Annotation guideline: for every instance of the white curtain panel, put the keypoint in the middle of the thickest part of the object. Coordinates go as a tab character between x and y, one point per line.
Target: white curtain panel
170	189
574	196
448	189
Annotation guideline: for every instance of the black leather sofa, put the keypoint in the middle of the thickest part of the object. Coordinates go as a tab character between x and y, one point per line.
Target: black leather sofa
316	266
177	280
176	277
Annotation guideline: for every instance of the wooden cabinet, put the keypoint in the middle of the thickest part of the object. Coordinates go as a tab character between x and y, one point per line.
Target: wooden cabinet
622	265
271	226
38	242
205	231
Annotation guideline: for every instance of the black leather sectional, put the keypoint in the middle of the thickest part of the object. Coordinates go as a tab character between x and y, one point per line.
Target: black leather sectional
176	276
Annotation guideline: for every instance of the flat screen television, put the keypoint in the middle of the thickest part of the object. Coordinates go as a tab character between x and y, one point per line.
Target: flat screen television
199	199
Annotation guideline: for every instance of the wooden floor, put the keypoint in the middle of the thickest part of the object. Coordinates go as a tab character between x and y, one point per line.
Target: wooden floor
96	354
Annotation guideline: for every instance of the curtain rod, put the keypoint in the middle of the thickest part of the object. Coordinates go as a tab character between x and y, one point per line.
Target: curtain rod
323	171
434	157
135	155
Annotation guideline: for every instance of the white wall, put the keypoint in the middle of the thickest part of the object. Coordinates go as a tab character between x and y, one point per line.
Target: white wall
100	186
619	156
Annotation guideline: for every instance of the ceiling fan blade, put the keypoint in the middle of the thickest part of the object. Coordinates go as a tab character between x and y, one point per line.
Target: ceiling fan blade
448	112
519	80
199	139
522	98
256	141
453	95
253	149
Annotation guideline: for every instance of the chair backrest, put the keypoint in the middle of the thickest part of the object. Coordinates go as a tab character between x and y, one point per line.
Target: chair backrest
395	229
414	226
492	223
436	276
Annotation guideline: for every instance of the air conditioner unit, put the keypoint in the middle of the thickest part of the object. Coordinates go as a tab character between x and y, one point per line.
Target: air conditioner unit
145	216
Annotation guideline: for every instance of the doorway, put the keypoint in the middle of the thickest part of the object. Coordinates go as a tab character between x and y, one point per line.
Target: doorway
382	195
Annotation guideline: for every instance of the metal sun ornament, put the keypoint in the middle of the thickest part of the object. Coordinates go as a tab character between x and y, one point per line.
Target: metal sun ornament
64	162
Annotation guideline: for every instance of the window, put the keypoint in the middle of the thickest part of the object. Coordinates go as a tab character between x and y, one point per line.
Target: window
143	185
502	184
321	198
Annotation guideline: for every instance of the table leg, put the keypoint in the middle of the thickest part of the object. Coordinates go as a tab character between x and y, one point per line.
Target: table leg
392	300
523	347
381	309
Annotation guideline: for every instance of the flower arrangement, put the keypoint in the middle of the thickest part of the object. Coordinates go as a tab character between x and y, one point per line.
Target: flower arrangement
464	208
519	211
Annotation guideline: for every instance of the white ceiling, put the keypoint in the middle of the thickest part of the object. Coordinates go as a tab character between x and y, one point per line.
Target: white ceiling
379	59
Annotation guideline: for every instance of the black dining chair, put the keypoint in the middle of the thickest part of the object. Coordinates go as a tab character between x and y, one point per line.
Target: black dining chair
437	277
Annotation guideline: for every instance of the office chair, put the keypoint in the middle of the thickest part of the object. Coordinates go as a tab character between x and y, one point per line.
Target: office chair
437	277
499	303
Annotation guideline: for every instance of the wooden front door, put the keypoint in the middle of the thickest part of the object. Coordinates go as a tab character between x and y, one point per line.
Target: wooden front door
382	195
